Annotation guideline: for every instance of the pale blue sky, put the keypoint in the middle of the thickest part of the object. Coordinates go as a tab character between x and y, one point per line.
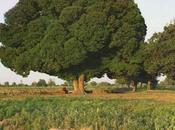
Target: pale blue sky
157	14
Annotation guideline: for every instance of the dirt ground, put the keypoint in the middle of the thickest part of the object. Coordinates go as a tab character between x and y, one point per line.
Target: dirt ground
157	95
165	96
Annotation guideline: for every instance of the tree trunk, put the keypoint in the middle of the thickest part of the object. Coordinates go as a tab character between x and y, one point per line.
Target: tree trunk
128	84
134	85
75	85
149	85
79	85
141	84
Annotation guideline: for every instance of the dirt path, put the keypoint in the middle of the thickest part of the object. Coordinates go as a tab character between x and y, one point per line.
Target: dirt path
165	96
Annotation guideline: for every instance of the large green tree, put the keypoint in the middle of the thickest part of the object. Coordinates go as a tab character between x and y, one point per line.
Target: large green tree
126	60
71	39
159	54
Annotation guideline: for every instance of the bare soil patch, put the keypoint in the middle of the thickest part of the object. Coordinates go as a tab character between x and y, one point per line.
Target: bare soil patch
157	95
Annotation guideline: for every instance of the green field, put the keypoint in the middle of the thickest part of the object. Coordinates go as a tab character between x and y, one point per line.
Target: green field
45	112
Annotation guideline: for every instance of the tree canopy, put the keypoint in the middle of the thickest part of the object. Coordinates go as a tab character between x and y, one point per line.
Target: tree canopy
67	38
160	53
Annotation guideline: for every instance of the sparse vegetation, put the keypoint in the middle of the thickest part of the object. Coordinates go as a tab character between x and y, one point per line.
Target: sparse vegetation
51	83
6	84
168	83
42	83
10	91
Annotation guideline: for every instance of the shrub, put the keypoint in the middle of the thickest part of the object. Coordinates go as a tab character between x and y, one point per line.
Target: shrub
104	84
14	84
42	83
168	83
51	83
6	84
93	83
34	84
99	91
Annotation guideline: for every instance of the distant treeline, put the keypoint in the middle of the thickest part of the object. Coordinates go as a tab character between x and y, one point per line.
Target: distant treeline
167	83
40	83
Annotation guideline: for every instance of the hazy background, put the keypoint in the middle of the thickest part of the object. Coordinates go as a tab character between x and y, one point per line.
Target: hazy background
157	14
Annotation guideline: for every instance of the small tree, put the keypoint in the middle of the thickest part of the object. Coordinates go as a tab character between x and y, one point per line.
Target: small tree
160	55
14	84
34	84
51	83
6	84
41	83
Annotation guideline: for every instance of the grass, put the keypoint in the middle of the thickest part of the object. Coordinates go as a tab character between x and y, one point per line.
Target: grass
43	113
23	109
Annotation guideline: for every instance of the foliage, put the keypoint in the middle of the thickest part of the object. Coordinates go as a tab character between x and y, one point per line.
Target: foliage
67	38
6	84
104	84
121	81
168	81
93	83
14	84
160	53
42	83
127	43
65	112
51	83
34	84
